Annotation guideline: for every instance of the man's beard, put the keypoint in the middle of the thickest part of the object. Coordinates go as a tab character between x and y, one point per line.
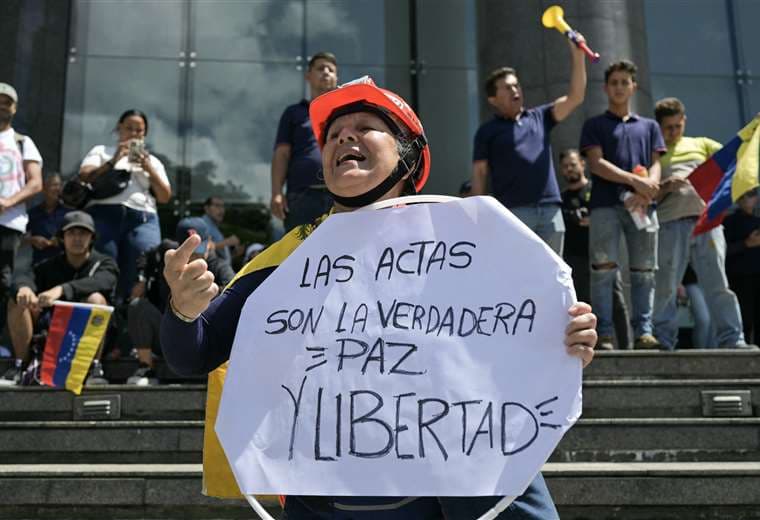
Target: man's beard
573	179
5	118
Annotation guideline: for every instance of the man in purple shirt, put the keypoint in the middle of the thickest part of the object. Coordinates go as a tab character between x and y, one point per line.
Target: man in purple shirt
623	151
296	161
514	150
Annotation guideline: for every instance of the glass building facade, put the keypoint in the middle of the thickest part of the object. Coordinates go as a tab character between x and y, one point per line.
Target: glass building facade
214	76
705	52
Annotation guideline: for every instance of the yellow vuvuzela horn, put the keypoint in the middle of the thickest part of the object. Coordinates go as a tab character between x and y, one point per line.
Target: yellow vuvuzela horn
553	18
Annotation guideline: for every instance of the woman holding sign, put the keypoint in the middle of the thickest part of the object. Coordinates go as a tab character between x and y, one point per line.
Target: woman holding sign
373	149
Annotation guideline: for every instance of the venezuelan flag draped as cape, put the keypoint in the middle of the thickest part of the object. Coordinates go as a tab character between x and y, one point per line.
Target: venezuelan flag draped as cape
74	336
730	173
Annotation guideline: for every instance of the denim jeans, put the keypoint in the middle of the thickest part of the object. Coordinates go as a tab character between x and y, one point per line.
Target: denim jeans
306	206
607	225
701	335
535	504
707	253
546	221
124	234
581	280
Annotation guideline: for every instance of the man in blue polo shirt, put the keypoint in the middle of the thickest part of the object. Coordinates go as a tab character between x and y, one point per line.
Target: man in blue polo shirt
296	161
514	150
623	151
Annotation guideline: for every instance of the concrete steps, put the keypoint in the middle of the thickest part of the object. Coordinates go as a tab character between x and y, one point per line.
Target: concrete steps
618	364
679	364
38	403
601	398
581	491
590	440
641	451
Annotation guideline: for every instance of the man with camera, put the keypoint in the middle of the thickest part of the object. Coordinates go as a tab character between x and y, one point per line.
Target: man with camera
78	274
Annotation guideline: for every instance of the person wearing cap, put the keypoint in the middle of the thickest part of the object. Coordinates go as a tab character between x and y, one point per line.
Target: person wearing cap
77	274
514	151
296	160
373	148
150	293
21	171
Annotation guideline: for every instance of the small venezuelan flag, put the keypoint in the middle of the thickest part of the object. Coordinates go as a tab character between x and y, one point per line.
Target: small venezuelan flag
730	173
74	336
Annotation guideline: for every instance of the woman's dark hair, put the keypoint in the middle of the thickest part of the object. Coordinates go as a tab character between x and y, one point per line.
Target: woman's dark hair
134	112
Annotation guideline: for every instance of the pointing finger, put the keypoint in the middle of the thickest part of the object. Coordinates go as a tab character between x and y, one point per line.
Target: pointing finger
176	259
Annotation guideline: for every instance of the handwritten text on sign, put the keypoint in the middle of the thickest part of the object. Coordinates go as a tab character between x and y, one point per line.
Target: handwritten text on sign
385	358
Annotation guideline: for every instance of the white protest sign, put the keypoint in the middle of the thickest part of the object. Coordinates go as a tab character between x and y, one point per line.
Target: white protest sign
411	351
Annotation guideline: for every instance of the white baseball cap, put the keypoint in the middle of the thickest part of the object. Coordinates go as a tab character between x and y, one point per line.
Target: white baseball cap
9	91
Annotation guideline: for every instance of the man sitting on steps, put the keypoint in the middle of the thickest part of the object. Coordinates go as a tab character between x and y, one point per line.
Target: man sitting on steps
78	274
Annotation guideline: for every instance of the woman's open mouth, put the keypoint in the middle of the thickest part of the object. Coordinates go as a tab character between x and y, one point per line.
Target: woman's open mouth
349	156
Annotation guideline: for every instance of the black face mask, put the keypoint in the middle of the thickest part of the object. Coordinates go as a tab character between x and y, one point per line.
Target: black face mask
408	159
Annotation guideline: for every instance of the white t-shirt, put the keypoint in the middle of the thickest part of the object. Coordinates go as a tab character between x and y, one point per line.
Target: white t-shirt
13	177
137	194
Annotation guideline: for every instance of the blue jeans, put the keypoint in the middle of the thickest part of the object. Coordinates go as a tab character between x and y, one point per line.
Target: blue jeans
607	225
124	234
546	221
701	335
707	254
535	504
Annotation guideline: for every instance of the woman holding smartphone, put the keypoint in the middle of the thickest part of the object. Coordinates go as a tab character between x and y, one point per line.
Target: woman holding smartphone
127	221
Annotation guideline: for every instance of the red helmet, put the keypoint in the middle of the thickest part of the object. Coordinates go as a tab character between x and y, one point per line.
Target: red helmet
364	90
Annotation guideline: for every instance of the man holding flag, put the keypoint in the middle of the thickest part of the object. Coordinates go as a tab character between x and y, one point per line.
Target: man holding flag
78	274
679	207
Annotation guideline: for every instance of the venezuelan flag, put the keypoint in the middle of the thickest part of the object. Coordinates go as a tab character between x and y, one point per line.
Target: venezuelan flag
74	336
730	173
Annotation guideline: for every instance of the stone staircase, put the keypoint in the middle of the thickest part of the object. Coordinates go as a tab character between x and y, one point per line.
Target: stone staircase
642	450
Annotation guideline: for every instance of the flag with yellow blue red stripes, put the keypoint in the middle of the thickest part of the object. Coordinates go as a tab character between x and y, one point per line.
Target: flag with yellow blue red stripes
75	333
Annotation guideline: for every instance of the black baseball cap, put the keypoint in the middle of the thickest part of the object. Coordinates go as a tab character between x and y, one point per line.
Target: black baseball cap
80	219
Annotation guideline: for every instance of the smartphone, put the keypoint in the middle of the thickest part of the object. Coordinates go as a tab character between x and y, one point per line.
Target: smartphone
136	149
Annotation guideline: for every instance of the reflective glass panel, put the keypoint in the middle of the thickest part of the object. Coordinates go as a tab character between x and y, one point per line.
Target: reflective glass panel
450	131
233	122
711	103
747	14
248	31
446	33
99	90
688	37
130	28
359	31
753	90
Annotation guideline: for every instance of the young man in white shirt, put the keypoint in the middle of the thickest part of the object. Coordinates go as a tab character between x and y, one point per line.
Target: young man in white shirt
20	179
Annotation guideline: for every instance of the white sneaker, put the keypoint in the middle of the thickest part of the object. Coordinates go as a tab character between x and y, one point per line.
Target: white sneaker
143	376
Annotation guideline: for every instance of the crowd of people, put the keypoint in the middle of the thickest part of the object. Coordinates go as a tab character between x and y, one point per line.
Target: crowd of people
637	192
625	181
95	239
